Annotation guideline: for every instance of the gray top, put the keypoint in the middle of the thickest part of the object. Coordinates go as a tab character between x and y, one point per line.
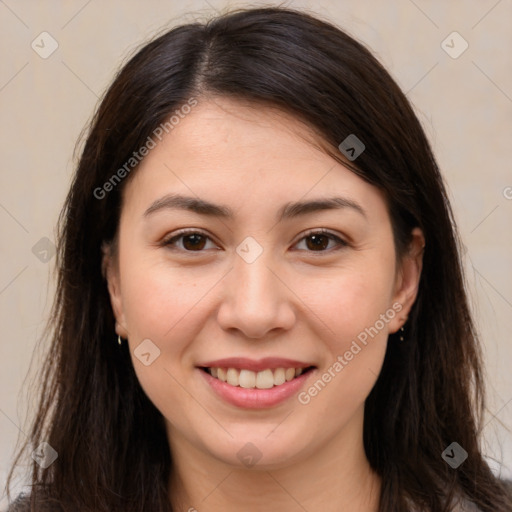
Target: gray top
22	504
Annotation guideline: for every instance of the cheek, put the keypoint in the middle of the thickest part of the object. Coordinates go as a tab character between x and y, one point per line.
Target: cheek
348	300
356	310
355	307
159	299
167	305
162	305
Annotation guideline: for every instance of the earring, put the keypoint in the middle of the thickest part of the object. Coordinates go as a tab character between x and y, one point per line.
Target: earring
119	340
402	332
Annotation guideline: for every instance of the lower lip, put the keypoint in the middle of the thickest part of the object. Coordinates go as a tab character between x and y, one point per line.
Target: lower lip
255	398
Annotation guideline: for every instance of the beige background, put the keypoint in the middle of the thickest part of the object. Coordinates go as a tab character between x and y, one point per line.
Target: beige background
465	105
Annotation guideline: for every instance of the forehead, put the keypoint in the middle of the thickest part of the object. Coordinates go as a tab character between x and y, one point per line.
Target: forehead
233	130
243	154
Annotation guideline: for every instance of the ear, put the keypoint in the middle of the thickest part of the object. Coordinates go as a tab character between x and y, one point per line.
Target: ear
110	271
407	279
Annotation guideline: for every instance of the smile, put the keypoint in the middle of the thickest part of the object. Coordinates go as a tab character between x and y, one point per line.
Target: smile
265	379
257	388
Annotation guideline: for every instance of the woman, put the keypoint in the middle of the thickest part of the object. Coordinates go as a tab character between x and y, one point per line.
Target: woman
209	353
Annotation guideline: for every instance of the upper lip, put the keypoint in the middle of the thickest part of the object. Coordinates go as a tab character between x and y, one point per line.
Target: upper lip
255	365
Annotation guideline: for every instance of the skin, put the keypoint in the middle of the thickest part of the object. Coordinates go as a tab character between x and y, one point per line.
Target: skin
293	301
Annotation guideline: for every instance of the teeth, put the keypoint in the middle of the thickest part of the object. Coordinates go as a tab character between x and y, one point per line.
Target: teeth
232	376
248	379
264	379
221	373
279	376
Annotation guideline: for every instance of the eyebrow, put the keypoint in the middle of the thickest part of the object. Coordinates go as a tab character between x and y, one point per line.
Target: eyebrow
287	211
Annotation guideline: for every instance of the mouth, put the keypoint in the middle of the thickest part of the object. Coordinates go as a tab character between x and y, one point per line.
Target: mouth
255	383
263	379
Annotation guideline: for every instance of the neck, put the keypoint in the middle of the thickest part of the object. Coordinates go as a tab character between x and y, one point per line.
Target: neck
333	477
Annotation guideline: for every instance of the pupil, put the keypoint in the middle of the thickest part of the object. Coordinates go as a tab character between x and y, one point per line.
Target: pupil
317	241
196	239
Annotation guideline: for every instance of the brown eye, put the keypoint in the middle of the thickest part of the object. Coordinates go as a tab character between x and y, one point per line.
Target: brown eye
318	241
194	242
191	241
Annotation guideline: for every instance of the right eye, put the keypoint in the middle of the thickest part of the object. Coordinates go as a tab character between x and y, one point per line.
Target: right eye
191	240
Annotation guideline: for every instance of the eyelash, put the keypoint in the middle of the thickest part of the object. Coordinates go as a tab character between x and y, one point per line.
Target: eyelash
169	242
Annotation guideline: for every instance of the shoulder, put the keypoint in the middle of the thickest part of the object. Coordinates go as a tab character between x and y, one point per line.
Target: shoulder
22	504
465	505
508	486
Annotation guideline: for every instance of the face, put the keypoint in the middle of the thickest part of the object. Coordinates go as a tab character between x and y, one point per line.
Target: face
281	260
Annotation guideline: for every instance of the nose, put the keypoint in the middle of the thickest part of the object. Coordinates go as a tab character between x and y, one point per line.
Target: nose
255	299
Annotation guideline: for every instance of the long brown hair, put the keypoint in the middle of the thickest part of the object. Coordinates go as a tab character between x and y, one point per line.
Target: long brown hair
113	454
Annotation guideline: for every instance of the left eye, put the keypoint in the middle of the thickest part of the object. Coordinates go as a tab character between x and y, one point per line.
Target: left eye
320	240
195	241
